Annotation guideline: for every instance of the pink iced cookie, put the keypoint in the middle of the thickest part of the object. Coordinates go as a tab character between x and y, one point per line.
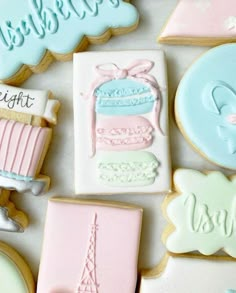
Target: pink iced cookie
201	22
90	246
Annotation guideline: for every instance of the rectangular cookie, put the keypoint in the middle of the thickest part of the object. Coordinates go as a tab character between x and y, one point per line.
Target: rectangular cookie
90	245
121	123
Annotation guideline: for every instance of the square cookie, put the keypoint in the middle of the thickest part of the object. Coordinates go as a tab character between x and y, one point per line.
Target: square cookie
121	123
90	246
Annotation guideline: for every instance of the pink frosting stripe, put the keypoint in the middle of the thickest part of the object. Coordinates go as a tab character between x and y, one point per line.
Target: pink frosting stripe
137	71
124	133
21	147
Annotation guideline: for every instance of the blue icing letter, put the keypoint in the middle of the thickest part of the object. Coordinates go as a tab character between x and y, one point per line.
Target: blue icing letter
28	28
124	97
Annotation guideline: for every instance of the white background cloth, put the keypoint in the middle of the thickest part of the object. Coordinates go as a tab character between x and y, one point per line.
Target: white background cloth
59	161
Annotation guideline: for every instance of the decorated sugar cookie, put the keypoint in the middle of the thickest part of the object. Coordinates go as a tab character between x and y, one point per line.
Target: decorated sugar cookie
33	33
15	274
121	125
205	106
191	273
25	136
201	22
11	219
201	214
94	247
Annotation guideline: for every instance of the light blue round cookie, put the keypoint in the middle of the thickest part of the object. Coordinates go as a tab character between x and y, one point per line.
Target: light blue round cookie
205	105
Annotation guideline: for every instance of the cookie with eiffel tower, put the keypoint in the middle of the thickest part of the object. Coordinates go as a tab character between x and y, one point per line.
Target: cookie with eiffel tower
90	246
201	22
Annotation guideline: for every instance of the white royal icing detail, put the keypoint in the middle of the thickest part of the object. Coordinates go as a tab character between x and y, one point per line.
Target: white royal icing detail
230	23
186	274
33	102
36	186
203	4
8	224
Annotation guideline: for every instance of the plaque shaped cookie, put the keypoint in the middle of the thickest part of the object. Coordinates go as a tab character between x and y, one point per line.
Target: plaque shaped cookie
15	274
201	22
190	273
33	33
25	134
201	214
205	106
90	246
121	123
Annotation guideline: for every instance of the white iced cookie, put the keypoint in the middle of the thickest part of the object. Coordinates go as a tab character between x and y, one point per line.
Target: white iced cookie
121	123
195	274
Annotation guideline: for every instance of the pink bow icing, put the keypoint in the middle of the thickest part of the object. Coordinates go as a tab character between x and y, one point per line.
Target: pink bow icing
137	71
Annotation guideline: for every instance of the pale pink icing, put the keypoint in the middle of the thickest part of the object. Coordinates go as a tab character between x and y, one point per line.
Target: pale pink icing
138	71
67	238
202	18
232	118
124	133
21	147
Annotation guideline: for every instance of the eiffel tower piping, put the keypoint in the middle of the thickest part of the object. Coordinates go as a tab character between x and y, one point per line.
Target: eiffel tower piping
88	281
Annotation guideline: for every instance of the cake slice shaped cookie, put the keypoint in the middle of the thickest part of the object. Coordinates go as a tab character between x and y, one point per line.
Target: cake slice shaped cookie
201	22
90	246
121	123
26	117
192	273
201	213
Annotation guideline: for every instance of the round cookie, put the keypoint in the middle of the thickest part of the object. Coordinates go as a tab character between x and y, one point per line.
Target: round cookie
205	106
15	274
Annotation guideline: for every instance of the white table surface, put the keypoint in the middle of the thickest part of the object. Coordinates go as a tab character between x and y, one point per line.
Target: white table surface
59	161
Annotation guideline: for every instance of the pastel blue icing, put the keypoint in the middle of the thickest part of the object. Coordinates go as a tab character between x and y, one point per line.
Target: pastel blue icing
202	115
111	98
15	176
230	291
64	31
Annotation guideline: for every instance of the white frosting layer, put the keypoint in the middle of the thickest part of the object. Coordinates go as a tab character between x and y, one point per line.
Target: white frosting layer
192	275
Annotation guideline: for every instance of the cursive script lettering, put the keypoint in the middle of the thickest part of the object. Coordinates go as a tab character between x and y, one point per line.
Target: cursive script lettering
20	99
202	220
46	20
